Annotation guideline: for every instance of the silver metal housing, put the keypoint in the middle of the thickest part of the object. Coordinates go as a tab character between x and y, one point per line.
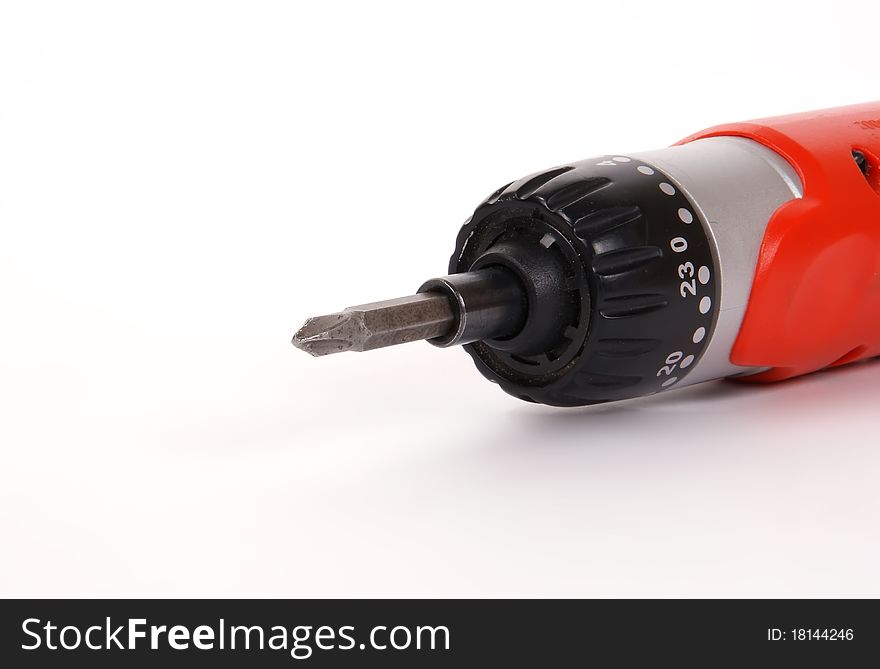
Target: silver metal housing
735	185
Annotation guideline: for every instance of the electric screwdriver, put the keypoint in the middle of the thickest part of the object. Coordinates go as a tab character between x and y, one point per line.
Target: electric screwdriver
749	250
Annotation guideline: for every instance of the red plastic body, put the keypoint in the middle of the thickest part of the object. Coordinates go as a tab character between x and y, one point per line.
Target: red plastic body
815	300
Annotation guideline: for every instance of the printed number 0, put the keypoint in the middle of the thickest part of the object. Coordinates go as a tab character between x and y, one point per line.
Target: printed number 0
679	244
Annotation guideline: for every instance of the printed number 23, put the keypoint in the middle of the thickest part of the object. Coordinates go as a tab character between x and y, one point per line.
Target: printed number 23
686	271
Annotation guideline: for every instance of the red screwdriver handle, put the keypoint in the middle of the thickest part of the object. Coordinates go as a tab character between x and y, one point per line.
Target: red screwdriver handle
815	299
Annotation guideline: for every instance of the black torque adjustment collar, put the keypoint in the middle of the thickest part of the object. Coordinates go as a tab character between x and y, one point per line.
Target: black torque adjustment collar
620	279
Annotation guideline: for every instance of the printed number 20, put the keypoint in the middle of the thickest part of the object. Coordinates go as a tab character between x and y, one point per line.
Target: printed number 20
671	362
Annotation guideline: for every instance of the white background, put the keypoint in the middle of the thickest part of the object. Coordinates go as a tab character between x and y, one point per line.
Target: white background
182	183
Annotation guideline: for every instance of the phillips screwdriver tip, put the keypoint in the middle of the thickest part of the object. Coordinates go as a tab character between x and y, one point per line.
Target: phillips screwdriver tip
375	325
333	333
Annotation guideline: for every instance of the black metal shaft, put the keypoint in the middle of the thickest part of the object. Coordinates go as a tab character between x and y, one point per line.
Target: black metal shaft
490	304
